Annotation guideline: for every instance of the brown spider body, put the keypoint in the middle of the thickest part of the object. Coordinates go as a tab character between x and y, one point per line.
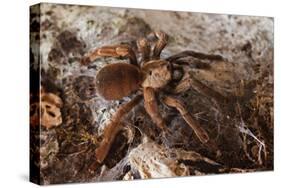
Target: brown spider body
118	80
151	75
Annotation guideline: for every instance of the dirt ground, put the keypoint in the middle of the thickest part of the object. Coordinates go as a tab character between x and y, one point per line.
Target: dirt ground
63	149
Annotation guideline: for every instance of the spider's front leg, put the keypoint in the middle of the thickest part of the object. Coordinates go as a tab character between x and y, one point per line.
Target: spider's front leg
188	82
113	128
162	40
207	91
151	108
144	48
199	131
198	55
111	51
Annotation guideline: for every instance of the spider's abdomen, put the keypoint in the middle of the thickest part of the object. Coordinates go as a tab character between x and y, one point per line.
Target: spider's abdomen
117	80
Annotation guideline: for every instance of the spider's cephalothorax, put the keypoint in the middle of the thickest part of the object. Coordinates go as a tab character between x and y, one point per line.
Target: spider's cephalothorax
150	75
157	74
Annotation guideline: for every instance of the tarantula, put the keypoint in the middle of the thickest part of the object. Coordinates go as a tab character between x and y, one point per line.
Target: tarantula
150	75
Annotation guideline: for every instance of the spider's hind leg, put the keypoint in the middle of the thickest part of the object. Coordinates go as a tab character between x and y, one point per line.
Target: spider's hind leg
113	128
111	51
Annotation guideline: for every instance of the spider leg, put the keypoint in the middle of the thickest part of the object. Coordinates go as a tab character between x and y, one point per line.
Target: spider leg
183	85
194	54
192	63
151	108
207	91
111	51
144	48
162	40
113	128
199	131
188	82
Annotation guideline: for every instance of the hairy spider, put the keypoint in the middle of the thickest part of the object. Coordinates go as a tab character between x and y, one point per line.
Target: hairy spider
150	76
